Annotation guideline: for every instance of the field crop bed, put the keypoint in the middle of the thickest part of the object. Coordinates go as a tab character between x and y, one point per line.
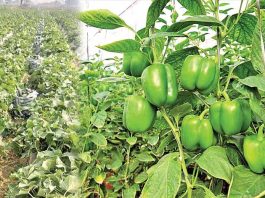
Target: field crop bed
37	76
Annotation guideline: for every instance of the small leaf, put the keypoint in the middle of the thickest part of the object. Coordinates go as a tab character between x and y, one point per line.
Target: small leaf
99	118
154	12
98	139
131	140
246	183
195	7
102	18
200	19
145	157
220	166
180	111
163	178
141	178
121	46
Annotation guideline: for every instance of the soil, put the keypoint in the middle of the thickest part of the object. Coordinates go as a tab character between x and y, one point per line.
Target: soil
9	162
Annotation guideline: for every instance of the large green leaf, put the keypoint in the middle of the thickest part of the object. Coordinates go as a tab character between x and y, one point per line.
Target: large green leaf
199	19
258	108
121	46
163	178
215	162
258	45
244	70
246	183
154	12
242	31
254	81
177	58
195	7
102	18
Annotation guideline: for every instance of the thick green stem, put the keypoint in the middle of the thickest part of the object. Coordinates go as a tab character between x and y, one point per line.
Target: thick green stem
219	42
226	96
260	133
175	131
203	113
165	52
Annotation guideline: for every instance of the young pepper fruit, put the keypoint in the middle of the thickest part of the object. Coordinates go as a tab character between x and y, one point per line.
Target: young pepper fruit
254	151
230	117
160	84
196	132
134	63
138	114
199	73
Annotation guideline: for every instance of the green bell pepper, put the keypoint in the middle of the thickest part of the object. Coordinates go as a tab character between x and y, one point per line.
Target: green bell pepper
196	132
230	117
200	74
138	114
134	63
254	151
160	84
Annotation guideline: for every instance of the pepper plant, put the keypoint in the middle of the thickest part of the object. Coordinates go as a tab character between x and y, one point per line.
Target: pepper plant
211	96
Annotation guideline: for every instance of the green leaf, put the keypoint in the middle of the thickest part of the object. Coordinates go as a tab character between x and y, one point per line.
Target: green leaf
167	34
145	157
71	183
130	192
98	139
258	108
200	19
141	178
195	7
242	31
180	111
131	140
258	45
163	178
121	46
244	70
102	18
99	118
254	81
215	162
246	183
154	12
177	58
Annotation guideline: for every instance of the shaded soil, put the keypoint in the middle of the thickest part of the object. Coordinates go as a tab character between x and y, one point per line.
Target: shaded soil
8	163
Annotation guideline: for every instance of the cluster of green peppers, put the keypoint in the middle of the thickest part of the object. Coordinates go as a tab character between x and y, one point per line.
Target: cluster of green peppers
161	89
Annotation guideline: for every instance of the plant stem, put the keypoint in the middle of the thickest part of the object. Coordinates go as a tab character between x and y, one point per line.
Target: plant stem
127	165
260	132
262	194
219	42
203	113
164	55
228	79
175	131
226	96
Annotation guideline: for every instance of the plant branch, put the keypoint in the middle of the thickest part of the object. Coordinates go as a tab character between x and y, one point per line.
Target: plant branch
175	131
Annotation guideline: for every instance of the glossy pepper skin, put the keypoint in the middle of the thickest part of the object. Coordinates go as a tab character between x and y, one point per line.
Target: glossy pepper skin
199	73
138	114
160	84
254	151
196	133
230	117
134	63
